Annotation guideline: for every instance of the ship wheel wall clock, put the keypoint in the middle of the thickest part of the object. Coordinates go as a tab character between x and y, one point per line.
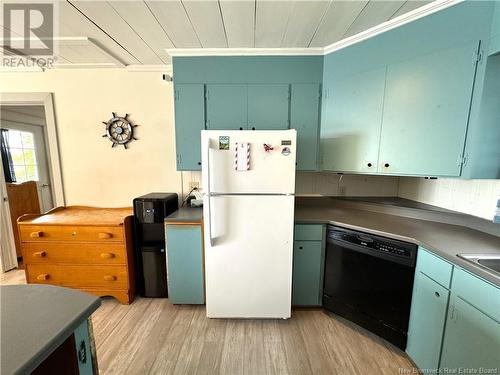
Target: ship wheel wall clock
119	130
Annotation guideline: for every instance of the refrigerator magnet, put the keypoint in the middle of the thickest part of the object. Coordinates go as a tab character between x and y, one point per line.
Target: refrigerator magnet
223	142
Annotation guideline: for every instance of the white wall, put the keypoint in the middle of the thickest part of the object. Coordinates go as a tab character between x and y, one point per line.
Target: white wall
474	197
93	172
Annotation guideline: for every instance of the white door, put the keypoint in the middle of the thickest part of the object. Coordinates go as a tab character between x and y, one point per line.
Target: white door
271	171
248	255
29	156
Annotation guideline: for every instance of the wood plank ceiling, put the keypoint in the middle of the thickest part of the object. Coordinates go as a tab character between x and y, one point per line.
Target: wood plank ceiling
138	32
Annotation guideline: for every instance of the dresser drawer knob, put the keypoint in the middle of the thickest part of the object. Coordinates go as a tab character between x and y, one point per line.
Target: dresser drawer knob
103	235
107	255
43	276
36	234
109	277
40	254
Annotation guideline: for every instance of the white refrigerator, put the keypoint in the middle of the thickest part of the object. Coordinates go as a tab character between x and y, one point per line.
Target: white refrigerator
248	179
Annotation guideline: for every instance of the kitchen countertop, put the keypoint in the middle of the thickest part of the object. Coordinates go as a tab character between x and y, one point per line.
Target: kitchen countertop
36	320
445	240
185	215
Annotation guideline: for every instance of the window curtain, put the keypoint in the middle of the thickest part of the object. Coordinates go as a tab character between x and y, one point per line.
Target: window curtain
7	164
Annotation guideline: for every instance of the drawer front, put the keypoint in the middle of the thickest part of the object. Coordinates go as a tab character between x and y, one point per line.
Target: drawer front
38	233
74	253
479	293
109	277
308	232
436	268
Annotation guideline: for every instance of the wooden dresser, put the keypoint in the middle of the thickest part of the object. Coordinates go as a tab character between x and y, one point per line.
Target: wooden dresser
86	248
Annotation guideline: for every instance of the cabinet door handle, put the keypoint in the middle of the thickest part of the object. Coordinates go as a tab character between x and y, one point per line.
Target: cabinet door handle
40	254
36	234
386	165
104	235
437	294
109	278
43	276
369	165
107	255
301	247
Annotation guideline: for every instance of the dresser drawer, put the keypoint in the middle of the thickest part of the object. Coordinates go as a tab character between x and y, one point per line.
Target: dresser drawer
38	233
109	277
74	253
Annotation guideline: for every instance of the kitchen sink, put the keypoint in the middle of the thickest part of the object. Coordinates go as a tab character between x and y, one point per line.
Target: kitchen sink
490	262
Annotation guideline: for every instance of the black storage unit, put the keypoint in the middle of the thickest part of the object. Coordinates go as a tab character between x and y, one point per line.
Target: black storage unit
149	213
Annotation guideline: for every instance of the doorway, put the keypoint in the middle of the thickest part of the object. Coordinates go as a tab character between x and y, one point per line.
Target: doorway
29	125
24	130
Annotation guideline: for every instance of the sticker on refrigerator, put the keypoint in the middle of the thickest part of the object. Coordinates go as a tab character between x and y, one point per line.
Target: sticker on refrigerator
223	142
242	156
286	143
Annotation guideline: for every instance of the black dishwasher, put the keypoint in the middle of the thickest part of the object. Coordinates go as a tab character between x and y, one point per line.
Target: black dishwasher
369	281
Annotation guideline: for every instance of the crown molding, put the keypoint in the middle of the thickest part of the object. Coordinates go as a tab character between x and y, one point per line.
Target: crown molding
245	51
167	69
413	15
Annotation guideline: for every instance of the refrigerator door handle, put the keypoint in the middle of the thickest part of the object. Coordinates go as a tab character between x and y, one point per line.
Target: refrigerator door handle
209	197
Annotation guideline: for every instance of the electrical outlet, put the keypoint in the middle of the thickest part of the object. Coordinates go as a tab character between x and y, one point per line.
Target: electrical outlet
194	185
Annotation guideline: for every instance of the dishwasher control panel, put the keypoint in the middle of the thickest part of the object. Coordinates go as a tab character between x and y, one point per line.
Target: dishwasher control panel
373	242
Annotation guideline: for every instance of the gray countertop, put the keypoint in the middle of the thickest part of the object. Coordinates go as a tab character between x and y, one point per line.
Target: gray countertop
186	215
445	240
36	320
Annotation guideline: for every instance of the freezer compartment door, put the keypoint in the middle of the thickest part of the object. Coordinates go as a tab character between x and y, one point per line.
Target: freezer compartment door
248	256
270	172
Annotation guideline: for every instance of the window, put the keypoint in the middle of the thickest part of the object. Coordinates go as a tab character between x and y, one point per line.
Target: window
22	150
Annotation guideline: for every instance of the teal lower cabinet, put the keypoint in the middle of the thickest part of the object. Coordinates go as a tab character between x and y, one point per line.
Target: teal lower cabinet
184	243
472	338
454	319
85	349
472	333
428	314
308	265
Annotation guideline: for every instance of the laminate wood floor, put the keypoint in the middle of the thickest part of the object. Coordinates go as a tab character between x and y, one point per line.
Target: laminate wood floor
152	336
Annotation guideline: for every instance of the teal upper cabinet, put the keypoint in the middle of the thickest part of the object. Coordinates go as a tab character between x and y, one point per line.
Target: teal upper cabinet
495	31
268	106
304	117
425	115
410	101
247	92
352	115
226	106
190	119
482	154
